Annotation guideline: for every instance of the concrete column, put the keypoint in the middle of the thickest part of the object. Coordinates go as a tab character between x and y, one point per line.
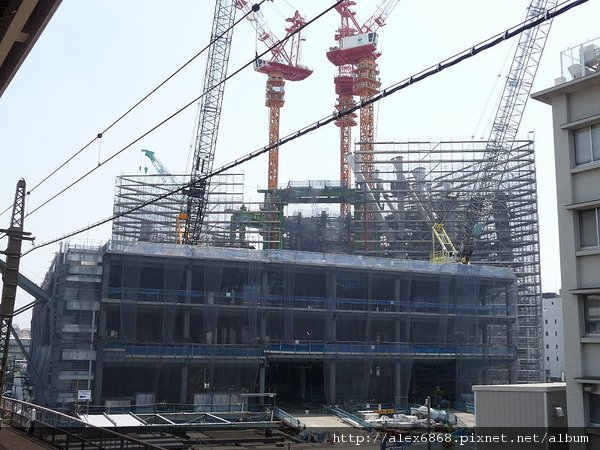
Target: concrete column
98	373
402	373
263	326
264	282
331	305
331	376
188	300
261	381
397	380
183	385
303	383
457	378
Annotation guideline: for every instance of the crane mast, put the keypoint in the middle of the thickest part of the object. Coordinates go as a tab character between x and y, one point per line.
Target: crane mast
344	89
209	114
517	88
358	74
367	84
284	65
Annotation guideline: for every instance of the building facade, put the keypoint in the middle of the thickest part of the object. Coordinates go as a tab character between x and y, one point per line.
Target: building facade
575	102
179	324
554	341
63	332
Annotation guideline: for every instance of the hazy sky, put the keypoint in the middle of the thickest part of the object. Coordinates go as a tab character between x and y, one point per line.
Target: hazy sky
98	57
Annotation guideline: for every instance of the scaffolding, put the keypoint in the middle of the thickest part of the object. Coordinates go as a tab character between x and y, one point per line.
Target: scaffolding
202	326
416	183
230	221
412	185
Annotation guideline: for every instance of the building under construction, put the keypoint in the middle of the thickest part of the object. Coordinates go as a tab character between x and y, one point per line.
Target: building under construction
413	185
139	323
207	297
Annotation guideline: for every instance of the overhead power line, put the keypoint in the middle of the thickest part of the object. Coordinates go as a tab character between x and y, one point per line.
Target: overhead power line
138	103
183	108
394	88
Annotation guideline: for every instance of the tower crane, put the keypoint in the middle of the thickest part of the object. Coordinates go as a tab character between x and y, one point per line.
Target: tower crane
172	182
160	168
284	65
494	163
355	57
209	115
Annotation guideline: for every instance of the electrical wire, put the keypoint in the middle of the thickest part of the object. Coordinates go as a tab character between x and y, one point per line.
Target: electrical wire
98	136
403	84
183	108
486	113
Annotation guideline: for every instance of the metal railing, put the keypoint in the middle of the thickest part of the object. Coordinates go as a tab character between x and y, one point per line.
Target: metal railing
190	351
305	302
345	415
288	419
63	431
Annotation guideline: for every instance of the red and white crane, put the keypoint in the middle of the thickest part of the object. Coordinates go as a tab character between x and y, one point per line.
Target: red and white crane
284	65
358	74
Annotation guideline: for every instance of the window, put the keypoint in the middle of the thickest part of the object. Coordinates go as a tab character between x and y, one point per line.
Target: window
555	320
589	234
557	358
591	308
556	346
546	321
556	333
547	358
547	346
594	404
546	333
587	144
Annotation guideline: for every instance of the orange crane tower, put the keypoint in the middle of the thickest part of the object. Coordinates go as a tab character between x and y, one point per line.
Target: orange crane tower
283	66
358	74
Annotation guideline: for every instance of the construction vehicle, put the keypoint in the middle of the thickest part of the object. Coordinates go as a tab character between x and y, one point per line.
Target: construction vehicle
355	57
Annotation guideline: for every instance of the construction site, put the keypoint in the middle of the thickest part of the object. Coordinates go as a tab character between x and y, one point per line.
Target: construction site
413	274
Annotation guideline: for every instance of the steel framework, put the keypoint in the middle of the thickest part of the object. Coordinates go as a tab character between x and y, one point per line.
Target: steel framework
418	180
157	222
358	74
16	235
209	115
506	123
412	182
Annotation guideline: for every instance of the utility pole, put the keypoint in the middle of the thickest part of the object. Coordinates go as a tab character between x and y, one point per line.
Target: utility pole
16	235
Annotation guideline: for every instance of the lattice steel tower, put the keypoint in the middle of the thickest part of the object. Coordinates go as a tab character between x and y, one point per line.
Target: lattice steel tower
209	115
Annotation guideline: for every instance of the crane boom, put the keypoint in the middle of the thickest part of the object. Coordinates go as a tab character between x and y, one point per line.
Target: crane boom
160	168
209	114
517	88
377	20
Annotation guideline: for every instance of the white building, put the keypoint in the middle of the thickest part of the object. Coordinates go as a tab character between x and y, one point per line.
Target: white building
575	104
554	341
